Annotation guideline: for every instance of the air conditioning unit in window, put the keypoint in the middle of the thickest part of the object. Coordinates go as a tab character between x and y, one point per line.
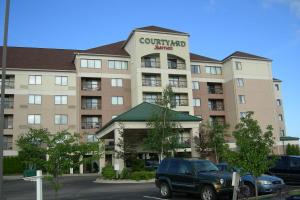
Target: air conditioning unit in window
9	126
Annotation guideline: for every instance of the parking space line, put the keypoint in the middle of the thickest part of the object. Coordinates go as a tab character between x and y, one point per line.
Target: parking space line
149	197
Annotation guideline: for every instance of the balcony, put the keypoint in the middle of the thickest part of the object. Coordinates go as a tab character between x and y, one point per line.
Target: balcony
90	106
8	124
150	64
181	102
176	65
91	125
178	83
151	82
216	105
8	103
90	85
9	84
214	88
153	100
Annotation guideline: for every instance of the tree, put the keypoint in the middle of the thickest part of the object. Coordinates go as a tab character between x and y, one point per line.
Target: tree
292	150
253	148
164	133
212	136
55	153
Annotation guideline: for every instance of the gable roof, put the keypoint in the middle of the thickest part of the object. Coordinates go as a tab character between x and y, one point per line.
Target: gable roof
144	112
197	57
240	54
39	58
159	29
109	49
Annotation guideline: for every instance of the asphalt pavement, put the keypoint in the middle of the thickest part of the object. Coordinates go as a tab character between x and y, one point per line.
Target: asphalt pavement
84	188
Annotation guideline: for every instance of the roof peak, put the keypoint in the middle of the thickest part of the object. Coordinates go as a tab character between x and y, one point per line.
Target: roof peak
153	28
241	54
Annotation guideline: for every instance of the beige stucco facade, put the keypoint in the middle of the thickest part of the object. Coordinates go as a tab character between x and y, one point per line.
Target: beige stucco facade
97	94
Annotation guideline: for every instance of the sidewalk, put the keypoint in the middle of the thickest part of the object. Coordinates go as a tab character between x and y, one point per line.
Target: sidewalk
19	177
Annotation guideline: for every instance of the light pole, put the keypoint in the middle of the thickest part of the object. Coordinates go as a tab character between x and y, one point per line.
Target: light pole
3	77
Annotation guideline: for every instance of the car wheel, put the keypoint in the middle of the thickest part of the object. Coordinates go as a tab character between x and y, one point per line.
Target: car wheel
165	191
248	190
208	193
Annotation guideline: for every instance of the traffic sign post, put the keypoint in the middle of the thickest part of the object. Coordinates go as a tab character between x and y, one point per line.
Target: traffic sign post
235	184
39	183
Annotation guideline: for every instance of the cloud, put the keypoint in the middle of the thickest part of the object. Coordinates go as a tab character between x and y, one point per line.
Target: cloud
294	5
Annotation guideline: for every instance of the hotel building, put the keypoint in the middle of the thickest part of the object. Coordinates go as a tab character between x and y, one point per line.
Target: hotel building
83	90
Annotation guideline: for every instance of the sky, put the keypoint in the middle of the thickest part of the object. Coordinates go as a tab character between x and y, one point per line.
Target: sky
269	28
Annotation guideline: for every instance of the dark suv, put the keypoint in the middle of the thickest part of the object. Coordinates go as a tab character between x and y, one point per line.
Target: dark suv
193	177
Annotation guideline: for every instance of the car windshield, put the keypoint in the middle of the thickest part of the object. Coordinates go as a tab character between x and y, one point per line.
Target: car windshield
205	166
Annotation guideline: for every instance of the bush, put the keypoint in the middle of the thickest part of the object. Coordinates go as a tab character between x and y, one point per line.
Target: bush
108	172
125	174
138	165
142	175
13	165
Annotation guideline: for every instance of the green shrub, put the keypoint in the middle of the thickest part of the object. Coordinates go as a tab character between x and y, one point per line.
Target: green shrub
108	172
138	165
13	165
125	173
142	175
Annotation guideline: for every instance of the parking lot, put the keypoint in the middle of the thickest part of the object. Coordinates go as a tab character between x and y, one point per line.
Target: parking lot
83	188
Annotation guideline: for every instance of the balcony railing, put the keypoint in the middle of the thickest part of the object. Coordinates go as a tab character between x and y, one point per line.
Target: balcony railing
172	65
90	125
152	100
9	84
215	90
90	87
8	104
90	106
7	145
8	124
178	83
181	102
150	64
151	82
216	107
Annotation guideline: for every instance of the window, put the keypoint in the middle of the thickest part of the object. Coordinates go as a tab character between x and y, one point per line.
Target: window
278	102
60	99
195	69
61	80
242	99
280	117
238	65
196	102
174	166
116	82
117	100
277	87
61	119
34	99
35	80
90	63
213	70
282	132
34	119
116	64
240	82
195	85
243	114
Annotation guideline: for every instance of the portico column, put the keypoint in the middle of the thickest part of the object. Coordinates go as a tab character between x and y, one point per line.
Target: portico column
81	166
119	162
102	157
194	133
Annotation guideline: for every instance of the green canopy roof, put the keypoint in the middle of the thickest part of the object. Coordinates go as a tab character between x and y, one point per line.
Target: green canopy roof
144	112
288	138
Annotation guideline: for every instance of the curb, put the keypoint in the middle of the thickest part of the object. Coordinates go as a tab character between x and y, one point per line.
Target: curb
99	180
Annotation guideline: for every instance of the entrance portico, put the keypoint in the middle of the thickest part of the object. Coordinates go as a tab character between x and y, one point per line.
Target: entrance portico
131	127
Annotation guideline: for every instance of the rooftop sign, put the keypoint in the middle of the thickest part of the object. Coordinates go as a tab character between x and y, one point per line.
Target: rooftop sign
162	44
